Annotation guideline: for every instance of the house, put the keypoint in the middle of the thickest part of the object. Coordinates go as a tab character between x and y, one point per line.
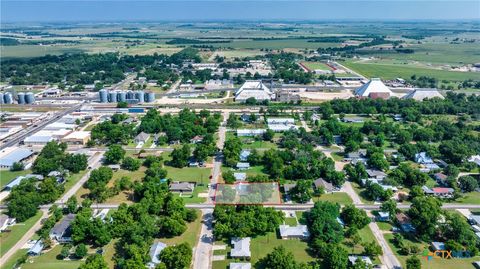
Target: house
475	159
6	221
376	174
240	176
36	249
243	165
141	138
244	155
182	187
59	176
299	231
280	121
155	251
240	265
404	222
254	89
196	139
327	186
441	178
423	158
374	89
246	118
157	136
474	219
250	132
437	246
355	157
439	192
16	181
114	167
61	232
383	216
241	248
352	259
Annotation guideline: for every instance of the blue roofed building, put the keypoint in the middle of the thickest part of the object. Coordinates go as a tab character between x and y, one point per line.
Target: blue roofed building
155	251
36	249
14	155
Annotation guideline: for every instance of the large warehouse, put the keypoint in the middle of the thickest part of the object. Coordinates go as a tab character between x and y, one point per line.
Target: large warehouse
255	89
374	89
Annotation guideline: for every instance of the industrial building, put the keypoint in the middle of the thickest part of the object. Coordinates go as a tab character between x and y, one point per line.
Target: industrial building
374	89
12	155
254	89
422	94
77	138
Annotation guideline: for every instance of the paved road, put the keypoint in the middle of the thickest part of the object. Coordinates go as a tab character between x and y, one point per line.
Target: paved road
95	163
203	252
388	258
24	239
218	160
33	129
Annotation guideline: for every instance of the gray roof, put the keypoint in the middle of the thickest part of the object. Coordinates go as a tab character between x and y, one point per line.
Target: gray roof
375	173
38	139
155	250
15	182
243	165
295	231
353	259
241	247
142	136
62	228
15	155
240	265
3	219
240	176
287	187
182	186
320	182
37	248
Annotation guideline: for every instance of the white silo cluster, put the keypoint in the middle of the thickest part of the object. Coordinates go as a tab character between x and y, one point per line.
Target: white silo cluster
23	98
131	97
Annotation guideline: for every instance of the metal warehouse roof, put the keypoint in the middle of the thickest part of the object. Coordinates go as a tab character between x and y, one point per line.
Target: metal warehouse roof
15	156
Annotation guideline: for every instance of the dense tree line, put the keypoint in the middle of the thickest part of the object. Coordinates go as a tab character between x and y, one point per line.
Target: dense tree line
54	158
112	132
286	68
183	127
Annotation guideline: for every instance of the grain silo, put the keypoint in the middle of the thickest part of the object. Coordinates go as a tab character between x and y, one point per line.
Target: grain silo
140	95
103	95
122	96
29	98
2	101
150	97
21	98
8	98
112	96
130	95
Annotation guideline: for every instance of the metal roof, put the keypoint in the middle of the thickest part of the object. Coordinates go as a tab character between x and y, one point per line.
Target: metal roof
16	155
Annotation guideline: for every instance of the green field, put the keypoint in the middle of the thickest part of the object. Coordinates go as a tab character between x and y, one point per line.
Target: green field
316	66
10	263
8	239
336	197
49	261
386	71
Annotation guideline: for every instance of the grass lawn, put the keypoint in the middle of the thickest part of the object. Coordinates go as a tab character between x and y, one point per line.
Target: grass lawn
109	251
361	192
384	226
469	198
316	66
336	197
291	221
434	263
388	71
337	156
8	239
258	144
6	176
73	178
190	235
10	263
49	261
191	174
194	199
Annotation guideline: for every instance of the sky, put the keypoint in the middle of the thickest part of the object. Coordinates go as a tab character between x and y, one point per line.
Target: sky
264	10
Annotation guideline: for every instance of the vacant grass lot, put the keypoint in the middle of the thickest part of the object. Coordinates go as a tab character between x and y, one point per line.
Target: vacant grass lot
336	197
386	71
316	66
10	263
8	239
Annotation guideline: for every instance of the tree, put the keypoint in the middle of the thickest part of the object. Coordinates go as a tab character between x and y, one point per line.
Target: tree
251	101
455	151
377	160
389	206
114	154
413	262
122	105
180	156
95	261
80	251
335	257
354	217
75	162
425	212
17	166
130	164
279	258
357	172
71	206
233	121
65	252
177	257
372	249
228	177
268	135
322	222
302	192
468	183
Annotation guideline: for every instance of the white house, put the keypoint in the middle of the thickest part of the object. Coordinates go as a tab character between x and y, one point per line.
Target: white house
241	248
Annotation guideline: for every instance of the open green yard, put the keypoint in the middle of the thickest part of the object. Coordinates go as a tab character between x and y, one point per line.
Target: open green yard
8	239
10	263
336	197
6	176
191	174
49	261
316	66
469	198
